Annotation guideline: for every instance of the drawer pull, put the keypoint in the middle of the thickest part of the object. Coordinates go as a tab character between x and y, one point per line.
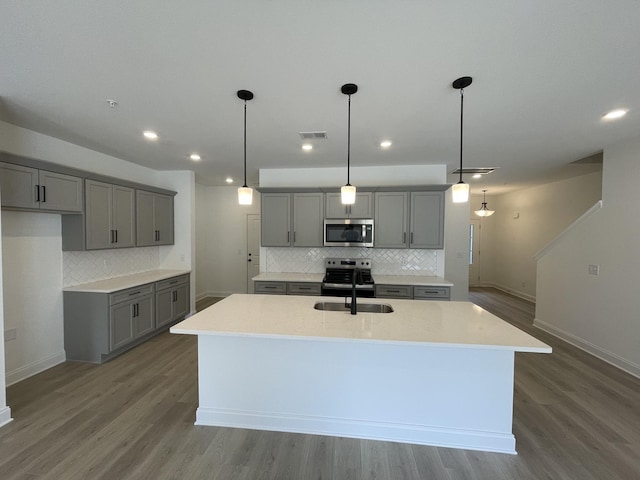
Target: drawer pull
270	286
134	293
174	281
432	292
304	288
393	291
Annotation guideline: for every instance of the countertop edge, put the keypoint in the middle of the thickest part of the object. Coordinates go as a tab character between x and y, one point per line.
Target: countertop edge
115	284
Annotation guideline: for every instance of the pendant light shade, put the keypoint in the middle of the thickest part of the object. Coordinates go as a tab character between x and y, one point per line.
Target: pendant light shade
460	191
348	191
245	193
484	211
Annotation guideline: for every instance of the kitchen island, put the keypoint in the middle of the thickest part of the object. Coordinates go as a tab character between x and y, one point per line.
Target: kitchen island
432	373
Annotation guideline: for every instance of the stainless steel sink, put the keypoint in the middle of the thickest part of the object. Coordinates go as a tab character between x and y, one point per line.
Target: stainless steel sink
361	307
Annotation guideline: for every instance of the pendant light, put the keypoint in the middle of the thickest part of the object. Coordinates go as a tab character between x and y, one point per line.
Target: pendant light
348	191
461	190
484	211
245	194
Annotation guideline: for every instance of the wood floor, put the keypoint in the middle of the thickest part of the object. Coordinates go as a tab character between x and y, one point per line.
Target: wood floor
575	417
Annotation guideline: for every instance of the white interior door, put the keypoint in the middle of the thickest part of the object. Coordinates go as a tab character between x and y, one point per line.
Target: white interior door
253	249
474	252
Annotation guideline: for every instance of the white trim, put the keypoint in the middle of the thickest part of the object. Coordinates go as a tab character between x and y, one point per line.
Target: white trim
605	355
5	416
354	428
510	291
561	235
34	368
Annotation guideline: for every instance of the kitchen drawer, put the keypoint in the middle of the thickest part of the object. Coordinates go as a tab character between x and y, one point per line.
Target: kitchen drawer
394	291
431	293
171	282
303	288
130	293
275	288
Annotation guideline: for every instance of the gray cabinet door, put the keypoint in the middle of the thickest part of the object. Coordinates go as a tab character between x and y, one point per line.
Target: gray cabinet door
121	329
163	219
18	186
123	216
275	219
60	192
363	207
181	301
98	215
145	223
143	316
308	216
427	220
391	217
164	307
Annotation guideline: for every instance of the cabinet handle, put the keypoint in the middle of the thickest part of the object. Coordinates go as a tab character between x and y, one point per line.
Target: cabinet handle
111	232
393	291
134	293
175	295
294	237
116	231
173	282
37	193
269	286
135	310
288	239
411	241
304	288
404	237
44	194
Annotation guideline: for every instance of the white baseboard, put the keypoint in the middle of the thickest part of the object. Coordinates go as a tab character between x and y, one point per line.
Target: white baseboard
33	368
353	428
5	416
509	290
609	357
202	295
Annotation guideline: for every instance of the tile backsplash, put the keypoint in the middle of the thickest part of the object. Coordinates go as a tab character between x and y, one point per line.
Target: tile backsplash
83	267
385	261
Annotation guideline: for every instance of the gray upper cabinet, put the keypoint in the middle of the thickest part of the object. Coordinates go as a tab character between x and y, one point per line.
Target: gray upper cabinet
363	208
275	219
292	219
154	219
109	216
391	220
427	220
34	189
308	216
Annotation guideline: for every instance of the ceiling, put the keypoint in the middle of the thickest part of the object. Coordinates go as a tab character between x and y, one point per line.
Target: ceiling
544	72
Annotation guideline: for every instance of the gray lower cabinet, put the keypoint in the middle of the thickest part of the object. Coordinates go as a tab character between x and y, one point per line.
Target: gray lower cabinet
287	288
172	300
100	326
33	189
154	219
303	288
292	219
431	293
363	208
270	288
394	291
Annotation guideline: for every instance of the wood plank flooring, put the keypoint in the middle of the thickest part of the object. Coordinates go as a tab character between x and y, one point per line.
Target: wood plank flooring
575	417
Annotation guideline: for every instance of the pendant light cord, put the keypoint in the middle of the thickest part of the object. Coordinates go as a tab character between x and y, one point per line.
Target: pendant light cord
461	126
349	140
245	144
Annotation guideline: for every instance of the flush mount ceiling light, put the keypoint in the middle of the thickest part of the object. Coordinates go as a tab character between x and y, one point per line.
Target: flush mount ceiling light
484	211
245	194
228	180
348	191
150	135
461	190
195	157
615	114
385	143
307	147
111	103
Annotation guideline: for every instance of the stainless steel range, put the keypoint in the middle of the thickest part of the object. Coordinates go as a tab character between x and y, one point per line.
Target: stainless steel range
340	274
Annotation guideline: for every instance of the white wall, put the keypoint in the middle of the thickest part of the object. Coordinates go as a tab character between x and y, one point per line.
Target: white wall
509	244
599	313
221	241
27	236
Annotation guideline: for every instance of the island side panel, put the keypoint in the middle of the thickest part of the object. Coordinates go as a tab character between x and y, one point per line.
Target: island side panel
414	393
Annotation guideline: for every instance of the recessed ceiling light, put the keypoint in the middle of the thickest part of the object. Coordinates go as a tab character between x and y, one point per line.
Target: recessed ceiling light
614	114
307	146
477	175
229	180
195	157
150	135
385	143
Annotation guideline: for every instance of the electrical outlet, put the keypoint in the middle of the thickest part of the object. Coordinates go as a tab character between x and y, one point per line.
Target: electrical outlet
594	269
10	334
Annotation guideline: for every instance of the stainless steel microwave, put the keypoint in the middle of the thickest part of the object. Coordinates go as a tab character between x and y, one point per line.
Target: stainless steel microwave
348	232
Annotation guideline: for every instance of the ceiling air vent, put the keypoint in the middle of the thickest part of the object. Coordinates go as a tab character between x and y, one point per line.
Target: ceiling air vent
472	170
313	135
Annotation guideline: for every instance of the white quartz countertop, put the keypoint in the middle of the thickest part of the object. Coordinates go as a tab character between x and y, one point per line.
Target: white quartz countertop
434	323
110	285
289	277
419	280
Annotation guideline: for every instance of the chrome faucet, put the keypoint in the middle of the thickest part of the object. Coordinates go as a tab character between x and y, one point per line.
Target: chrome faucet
354	282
